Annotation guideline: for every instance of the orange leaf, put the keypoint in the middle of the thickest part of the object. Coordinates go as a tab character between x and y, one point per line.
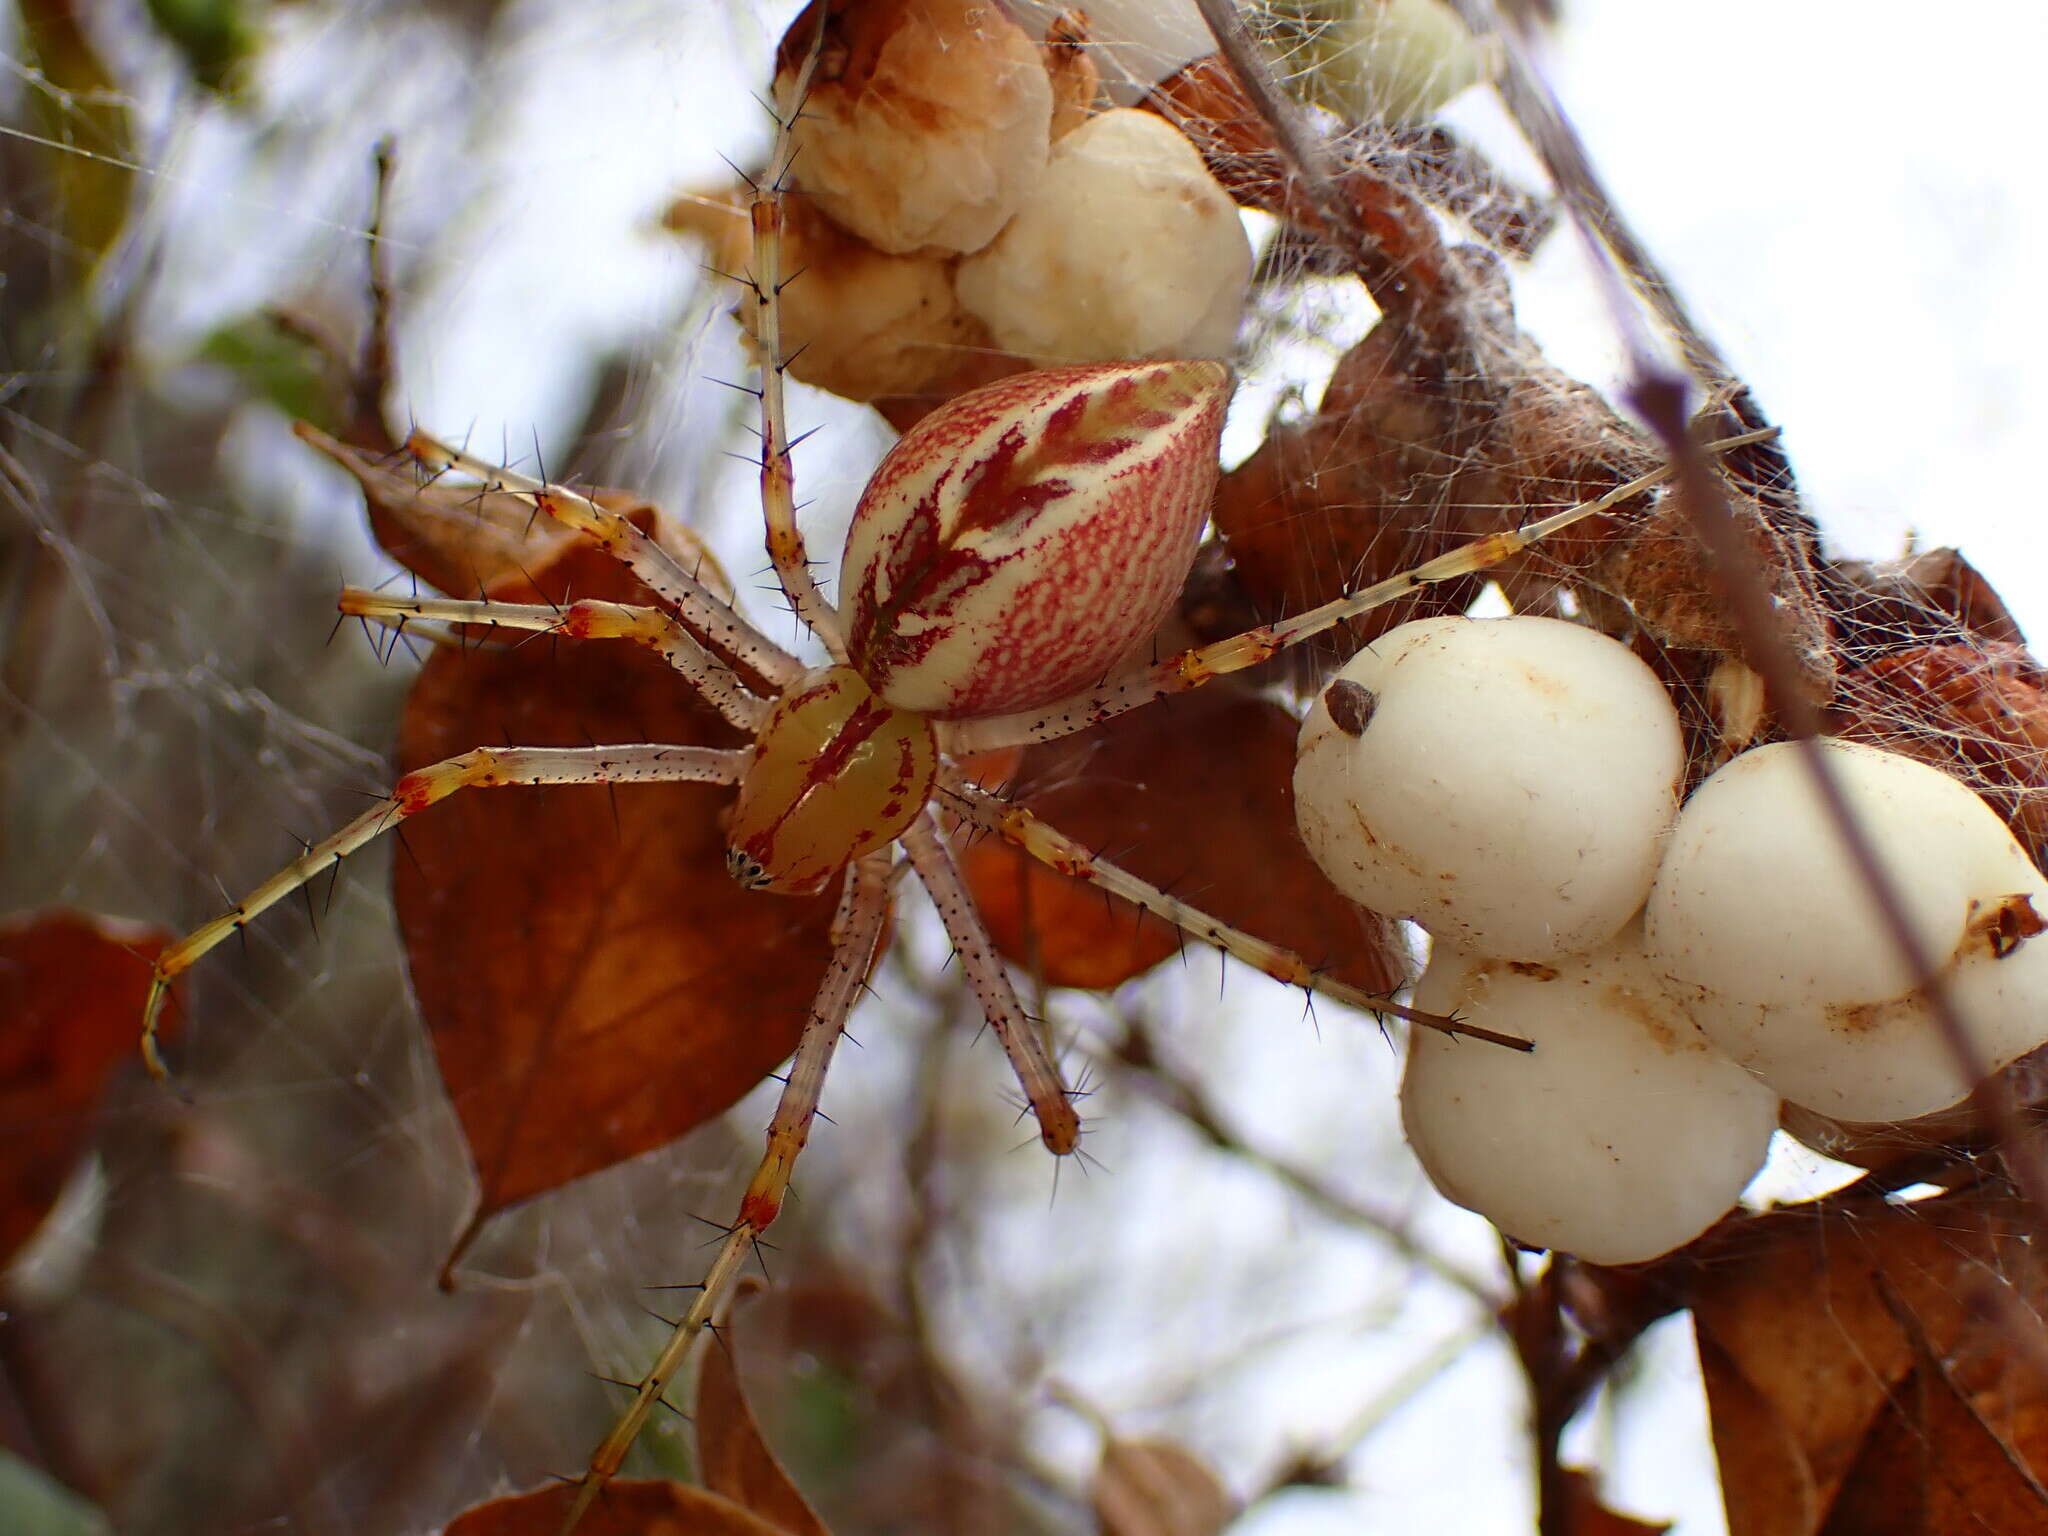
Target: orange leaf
629	1508
71	991
1195	794
733	1459
594	982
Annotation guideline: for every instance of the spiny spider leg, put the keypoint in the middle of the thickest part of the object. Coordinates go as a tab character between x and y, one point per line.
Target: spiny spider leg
1054	849
1192	668
699	607
856	932
584	619
480	768
778	497
1037	1073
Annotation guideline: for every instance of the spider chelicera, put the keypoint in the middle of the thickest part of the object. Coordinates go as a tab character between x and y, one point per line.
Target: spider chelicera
1010	551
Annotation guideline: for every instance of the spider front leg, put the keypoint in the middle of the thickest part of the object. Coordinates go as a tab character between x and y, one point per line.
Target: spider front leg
708	614
586	619
856	933
786	549
481	768
1054	849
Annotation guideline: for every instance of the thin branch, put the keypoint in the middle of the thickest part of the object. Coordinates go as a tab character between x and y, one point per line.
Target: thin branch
1185	1098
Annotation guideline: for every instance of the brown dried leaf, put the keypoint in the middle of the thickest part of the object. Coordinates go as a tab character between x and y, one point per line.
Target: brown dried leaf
1394	469
1194	794
1975	710
733	1459
1371	226
926	1458
594	983
1805	1341
1931	1465
1658	564
628	1508
1586	1515
1156	1488
71	993
1933	597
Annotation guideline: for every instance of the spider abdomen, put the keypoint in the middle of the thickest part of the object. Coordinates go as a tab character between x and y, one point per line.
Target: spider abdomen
836	773
1020	540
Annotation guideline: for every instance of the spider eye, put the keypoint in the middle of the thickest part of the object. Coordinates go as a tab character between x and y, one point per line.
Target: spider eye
836	774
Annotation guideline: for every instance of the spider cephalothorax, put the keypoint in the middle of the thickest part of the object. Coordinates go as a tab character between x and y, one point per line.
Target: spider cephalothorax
834	774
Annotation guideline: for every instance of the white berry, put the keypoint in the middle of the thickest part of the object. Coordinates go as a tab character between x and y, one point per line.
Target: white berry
1761	920
1126	248
1623	1135
1506	783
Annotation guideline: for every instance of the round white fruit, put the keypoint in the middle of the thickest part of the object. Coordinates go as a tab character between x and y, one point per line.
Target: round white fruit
1621	1136
1506	783
1761	921
1127	248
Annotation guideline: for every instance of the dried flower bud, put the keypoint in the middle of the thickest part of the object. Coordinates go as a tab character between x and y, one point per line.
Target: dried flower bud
863	324
1127	248
1069	53
927	123
1019	540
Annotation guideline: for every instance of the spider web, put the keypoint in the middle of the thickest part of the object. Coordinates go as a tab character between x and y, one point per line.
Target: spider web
262	1250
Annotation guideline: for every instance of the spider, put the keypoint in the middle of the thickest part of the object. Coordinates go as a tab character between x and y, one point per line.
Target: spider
851	764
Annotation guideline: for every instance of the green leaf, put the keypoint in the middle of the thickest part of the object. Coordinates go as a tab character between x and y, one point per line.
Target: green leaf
275	364
215	37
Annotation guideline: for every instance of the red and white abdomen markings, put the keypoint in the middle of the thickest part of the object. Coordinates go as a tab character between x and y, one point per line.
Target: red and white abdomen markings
1017	542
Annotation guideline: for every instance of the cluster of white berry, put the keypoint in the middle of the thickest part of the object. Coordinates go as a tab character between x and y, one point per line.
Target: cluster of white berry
972	198
1513	787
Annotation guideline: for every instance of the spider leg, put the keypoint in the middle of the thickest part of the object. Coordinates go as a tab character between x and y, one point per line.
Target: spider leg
778	494
586	619
1054	849
1051	1104
1192	668
482	768
856	932
702	609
